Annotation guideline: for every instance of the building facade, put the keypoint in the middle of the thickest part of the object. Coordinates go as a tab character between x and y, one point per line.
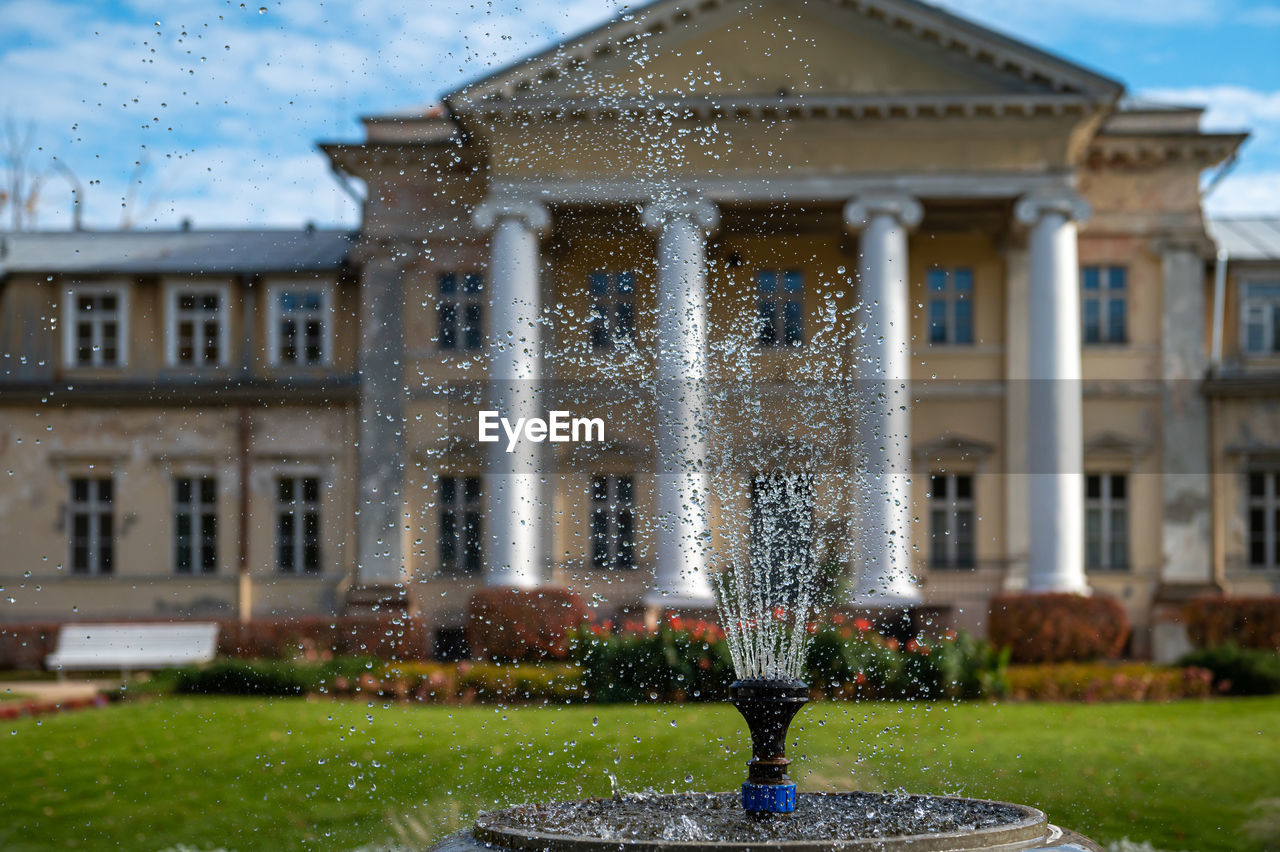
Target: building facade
942	306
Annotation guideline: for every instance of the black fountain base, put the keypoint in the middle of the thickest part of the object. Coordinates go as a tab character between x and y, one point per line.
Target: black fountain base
716	822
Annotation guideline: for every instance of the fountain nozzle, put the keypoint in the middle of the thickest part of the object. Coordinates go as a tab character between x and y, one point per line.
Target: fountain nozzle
768	706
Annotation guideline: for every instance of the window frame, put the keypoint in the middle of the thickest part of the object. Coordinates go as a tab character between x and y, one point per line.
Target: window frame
953	505
274	316
1106	504
1269	504
619	547
460	299
175	289
197	508
94	510
950	296
1105	295
123	291
782	299
460	505
298	534
612	299
1271	345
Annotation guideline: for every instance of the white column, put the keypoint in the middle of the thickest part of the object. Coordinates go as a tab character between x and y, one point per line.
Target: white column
514	484
682	480
1055	443
884	514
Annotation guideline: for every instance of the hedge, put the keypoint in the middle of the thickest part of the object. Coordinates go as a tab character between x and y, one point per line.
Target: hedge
505	623
1247	622
1091	682
1239	671
1057	627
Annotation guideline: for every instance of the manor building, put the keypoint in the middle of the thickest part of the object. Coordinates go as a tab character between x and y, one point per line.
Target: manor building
940	305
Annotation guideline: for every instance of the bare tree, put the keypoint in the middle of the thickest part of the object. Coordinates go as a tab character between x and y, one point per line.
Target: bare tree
21	192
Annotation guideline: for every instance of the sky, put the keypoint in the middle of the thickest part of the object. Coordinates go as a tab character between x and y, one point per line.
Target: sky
210	110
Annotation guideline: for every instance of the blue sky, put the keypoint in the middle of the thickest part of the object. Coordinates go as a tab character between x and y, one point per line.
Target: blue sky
209	109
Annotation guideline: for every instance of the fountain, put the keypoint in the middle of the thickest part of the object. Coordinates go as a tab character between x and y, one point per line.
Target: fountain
765	622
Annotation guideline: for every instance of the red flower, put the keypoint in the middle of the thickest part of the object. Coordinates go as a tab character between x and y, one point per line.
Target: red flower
863	625
860	679
891	644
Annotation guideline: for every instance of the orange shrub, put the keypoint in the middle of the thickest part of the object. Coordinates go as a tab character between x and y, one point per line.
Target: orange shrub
1057	627
1247	622
1102	682
505	623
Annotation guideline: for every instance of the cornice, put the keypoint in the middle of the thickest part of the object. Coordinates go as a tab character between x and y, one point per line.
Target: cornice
790	108
1145	150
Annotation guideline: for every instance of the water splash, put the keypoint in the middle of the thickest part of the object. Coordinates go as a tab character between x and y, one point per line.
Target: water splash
767	605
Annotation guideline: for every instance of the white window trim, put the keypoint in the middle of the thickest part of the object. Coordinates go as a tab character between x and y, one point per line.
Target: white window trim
953	505
325	289
613	507
1105	504
1103	295
1269	343
122	291
172	290
94	558
322	475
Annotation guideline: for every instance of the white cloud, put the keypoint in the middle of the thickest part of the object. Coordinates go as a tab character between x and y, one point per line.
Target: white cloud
1246	194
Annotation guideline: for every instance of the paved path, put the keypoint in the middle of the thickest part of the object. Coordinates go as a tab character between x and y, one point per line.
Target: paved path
53	691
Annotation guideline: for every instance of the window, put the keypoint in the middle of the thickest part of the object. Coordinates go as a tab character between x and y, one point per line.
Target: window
298	524
613	541
1106	521
781	529
781	307
195	524
1264	519
460	312
301	331
92	526
951	306
1262	318
197	326
951	520
95	326
1104	304
461	547
613	308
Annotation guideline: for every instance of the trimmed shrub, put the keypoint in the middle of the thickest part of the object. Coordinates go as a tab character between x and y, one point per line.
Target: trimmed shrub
547	683
1091	682
381	637
511	624
1056	627
1239	671
270	677
1246	622
24	646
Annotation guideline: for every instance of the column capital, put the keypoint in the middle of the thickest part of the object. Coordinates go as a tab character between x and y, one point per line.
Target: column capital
695	208
1030	209
859	211
532	213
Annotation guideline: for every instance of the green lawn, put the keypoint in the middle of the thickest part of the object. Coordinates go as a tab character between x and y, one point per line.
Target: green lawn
292	774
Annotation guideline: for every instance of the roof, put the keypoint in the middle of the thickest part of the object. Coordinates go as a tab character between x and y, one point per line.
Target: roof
174	252
931	24
1254	238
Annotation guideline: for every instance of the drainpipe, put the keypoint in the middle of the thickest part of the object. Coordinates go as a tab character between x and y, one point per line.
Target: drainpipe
1219	309
244	441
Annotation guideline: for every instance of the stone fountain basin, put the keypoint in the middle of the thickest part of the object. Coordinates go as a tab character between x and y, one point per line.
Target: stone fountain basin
715	822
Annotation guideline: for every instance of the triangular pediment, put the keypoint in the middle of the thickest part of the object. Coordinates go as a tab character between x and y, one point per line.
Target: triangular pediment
756	49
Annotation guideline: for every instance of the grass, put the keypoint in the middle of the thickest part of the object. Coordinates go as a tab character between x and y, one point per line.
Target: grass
292	774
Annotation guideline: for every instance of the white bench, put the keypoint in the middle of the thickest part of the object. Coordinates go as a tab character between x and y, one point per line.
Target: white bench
129	647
